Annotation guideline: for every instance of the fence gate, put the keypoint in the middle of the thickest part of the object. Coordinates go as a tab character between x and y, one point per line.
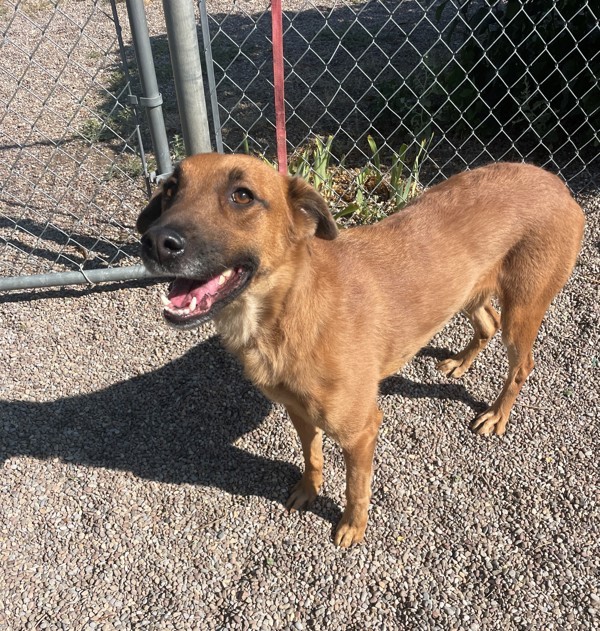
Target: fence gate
73	158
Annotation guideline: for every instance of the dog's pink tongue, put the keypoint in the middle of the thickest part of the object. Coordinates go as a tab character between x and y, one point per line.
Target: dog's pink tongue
183	290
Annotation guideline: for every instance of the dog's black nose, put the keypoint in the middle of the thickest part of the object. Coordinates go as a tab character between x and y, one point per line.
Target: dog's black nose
163	244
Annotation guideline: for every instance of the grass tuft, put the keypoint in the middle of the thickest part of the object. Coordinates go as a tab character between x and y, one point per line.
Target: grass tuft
360	195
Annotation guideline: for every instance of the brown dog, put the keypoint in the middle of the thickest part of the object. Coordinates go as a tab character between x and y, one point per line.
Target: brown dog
318	319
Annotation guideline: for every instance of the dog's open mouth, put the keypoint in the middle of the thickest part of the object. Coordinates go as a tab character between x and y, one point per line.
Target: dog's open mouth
191	302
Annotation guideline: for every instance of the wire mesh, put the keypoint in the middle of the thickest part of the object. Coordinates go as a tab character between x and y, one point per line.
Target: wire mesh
71	177
454	83
463	74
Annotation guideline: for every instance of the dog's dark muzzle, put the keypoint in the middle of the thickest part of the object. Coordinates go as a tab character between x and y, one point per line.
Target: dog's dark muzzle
204	279
164	247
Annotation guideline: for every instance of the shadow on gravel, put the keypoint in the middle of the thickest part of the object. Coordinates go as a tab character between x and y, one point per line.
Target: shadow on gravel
450	391
48	242
177	424
447	391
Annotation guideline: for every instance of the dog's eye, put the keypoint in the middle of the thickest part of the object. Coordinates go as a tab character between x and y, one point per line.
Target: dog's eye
242	196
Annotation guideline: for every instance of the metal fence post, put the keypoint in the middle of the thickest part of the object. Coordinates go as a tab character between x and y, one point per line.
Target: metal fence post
210	73
187	72
151	99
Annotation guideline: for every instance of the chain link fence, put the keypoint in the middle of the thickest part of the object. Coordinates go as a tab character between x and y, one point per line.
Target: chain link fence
452	83
479	80
71	174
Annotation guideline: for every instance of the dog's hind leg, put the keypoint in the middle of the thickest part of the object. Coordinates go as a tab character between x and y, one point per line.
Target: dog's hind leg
520	325
527	284
485	321
307	488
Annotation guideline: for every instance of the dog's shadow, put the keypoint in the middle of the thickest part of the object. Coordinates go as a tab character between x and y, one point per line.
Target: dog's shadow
450	390
177	424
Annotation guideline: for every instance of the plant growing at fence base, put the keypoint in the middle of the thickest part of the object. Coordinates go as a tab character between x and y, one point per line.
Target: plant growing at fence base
360	195
381	190
405	189
177	148
313	163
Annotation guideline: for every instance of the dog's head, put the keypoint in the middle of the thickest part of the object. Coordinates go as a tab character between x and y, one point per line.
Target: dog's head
218	224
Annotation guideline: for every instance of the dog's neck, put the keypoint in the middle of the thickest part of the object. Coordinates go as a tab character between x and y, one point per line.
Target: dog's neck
257	326
239	322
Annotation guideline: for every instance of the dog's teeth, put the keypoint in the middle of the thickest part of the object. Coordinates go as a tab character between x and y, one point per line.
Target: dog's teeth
192	306
163	298
225	276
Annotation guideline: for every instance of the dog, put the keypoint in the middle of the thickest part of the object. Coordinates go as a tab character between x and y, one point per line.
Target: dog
319	316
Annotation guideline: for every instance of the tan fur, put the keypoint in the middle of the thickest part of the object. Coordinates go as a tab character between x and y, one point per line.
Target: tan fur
325	319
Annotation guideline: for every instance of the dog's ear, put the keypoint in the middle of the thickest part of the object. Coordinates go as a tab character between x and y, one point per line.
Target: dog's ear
157	204
151	213
311	208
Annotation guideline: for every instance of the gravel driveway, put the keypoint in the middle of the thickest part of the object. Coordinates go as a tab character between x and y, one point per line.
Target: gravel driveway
142	479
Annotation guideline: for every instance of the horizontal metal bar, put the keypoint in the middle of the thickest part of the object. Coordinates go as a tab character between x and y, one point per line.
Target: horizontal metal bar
84	277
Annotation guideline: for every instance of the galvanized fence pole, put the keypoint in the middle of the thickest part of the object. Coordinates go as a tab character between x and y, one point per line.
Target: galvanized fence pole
180	21
210	73
151	99
130	96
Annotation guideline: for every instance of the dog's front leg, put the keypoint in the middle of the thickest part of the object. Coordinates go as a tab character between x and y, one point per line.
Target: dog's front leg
308	486
358	450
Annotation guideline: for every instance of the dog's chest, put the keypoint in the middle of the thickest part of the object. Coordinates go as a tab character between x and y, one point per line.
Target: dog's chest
274	355
266	365
272	369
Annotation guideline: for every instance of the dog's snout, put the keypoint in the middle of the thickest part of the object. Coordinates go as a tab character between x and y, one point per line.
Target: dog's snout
170	243
163	244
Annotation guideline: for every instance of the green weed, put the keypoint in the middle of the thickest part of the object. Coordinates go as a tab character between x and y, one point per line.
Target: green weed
93	130
359	195
177	148
381	190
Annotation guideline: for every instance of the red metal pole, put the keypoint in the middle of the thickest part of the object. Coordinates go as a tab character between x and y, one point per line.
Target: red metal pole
278	81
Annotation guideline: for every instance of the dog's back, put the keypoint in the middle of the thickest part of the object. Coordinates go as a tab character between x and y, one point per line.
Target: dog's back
510	230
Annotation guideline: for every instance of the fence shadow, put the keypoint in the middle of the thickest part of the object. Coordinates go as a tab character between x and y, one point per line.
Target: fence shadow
343	65
44	240
345	75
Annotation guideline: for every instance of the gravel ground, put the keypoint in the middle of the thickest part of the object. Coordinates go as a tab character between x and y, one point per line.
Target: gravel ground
143	482
142	479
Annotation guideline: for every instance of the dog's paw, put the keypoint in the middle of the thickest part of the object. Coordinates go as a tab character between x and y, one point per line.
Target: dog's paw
492	421
454	367
349	531
303	494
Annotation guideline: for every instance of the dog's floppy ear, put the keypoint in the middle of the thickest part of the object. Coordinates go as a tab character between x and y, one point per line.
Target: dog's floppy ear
307	203
151	213
161	199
